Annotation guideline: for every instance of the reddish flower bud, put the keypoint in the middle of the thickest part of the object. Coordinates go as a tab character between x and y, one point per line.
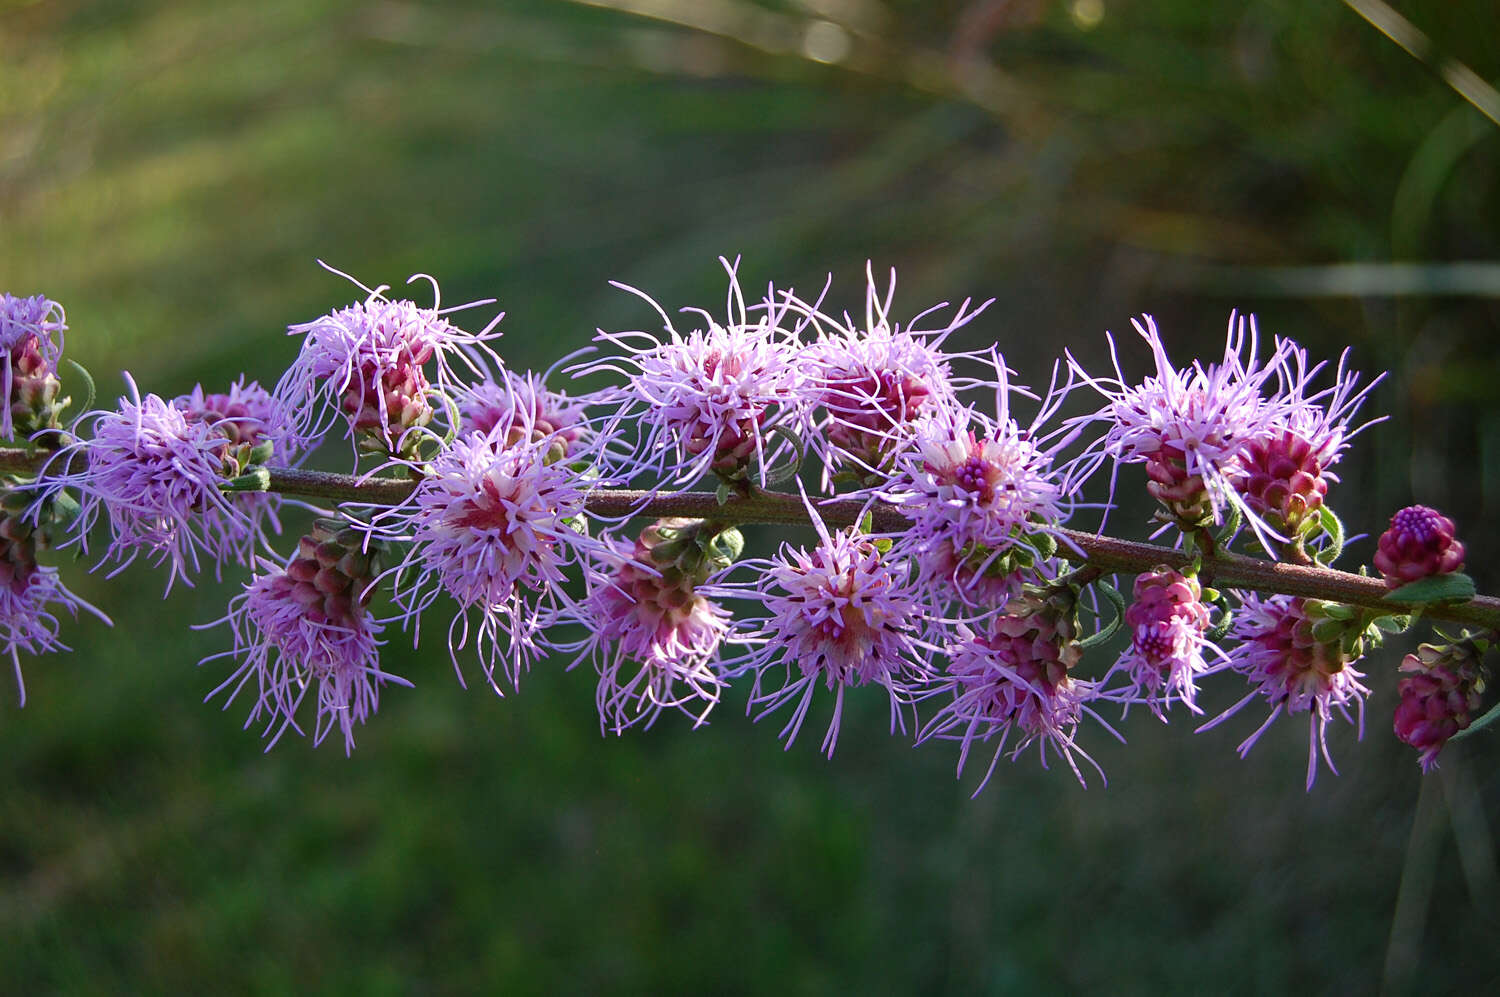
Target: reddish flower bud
1421	542
30	345
1183	493
1282	480
1439	696
1168	626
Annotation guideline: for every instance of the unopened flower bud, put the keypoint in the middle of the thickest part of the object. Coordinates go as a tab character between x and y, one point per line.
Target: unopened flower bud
1420	542
1440	694
1281	478
1184	494
30	346
1168	622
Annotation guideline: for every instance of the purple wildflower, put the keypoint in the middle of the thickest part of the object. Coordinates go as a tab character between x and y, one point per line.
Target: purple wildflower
31	342
523	403
247	415
1283	472
842	615
29	592
1295	653
1168	623
710	399
1190	426
254	427
490	524
978	492
307	625
1013	677
653	636
369	361
875	380
156	473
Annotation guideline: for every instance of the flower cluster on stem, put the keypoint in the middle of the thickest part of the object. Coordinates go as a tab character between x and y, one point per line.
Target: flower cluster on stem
942	565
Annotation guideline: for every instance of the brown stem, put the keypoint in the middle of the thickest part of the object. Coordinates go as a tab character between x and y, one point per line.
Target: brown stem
1108	554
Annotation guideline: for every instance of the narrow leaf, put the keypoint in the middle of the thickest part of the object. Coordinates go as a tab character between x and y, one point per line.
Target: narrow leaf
1485	721
1116	600
256	480
1436	588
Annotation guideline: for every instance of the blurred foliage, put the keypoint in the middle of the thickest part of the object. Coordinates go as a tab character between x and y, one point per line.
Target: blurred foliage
171	170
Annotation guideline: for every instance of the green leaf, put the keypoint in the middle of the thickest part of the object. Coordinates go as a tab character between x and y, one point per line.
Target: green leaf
1115	599
65	507
1485	721
723	492
1436	588
1230	528
1392	624
728	545
88	382
1044	544
1333	529
257	480
788	471
1226	616
454	419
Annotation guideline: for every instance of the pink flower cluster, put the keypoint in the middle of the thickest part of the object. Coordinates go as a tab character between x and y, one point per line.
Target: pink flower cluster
957	586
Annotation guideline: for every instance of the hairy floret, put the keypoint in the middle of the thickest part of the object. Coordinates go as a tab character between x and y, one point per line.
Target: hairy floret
155	474
841	615
369	364
307	627
653	635
710	399
493	524
1298	654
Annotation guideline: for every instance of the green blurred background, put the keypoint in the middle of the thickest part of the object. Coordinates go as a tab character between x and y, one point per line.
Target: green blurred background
171	171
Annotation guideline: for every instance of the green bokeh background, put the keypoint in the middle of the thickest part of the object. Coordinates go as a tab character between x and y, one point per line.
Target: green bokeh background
171	172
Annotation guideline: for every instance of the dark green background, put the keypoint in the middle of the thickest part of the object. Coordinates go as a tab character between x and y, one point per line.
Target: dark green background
171	172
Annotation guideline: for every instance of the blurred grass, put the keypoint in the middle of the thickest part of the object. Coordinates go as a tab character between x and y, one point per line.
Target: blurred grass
170	171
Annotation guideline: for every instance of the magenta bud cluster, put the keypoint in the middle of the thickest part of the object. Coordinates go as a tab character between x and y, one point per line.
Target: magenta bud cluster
589	516
1420	543
1441	690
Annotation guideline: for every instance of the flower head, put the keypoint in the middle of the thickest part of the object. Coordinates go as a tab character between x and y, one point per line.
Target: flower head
983	497
1298	654
1283	472
653	635
29	592
31	342
156	474
711	398
1013	677
246	415
1190	426
841	615
492	525
307	626
254	427
875	380
369	363
523	403
1168	623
